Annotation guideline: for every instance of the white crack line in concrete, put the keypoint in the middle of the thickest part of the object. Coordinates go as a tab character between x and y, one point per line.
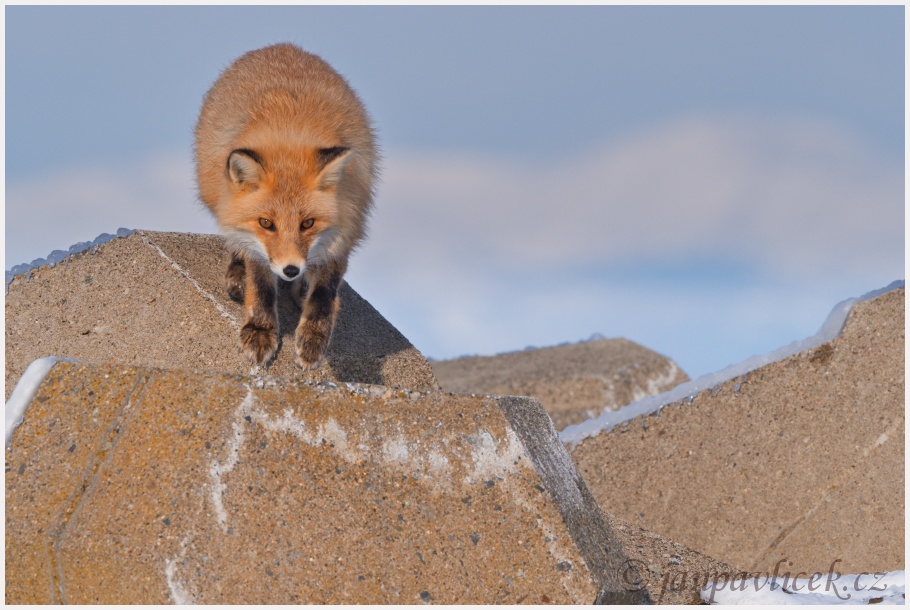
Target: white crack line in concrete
831	490
206	294
218	470
831	329
178	594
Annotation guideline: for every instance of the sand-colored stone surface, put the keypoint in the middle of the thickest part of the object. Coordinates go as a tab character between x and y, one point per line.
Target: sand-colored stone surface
141	485
801	460
131	485
574	382
157	299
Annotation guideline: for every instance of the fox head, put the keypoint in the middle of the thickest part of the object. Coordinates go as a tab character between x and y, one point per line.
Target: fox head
283	206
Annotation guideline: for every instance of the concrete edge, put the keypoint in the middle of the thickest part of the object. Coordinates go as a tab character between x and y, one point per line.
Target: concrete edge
58	256
830	329
25	391
596	541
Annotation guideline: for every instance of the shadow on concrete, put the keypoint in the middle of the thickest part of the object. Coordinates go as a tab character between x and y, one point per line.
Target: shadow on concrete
356	333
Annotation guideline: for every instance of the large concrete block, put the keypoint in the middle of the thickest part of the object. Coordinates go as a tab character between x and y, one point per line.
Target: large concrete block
574	382
140	485
157	299
800	461
133	485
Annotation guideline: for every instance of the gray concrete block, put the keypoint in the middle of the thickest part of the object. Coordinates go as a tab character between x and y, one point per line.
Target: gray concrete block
157	299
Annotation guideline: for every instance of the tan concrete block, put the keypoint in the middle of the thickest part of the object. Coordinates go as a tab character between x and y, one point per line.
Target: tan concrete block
574	382
157	299
800	460
215	488
69	436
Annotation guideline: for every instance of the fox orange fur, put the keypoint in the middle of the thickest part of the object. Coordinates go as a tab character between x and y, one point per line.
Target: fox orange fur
286	161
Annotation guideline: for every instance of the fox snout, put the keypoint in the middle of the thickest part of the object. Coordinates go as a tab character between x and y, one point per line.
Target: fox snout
287	271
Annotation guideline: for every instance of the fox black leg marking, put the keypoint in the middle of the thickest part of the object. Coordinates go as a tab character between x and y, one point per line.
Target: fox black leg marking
259	335
318	318
235	278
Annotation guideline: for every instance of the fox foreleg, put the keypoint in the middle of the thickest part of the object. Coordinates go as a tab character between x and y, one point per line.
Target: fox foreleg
259	335
320	309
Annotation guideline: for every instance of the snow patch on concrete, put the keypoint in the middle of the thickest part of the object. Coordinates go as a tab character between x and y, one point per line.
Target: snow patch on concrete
495	458
332	432
830	330
395	449
437	463
817	589
286	424
655	384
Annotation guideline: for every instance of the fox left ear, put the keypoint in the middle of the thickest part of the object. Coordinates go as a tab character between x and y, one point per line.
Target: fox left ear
245	167
333	161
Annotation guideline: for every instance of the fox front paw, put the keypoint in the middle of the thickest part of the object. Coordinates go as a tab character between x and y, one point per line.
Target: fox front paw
235	280
258	344
311	340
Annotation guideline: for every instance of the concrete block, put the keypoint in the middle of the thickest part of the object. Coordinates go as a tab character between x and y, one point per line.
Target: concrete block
574	382
140	485
157	299
798	464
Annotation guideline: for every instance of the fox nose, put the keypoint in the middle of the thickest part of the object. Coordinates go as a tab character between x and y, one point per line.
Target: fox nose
291	271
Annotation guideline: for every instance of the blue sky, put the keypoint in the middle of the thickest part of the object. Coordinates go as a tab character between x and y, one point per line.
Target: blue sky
706	181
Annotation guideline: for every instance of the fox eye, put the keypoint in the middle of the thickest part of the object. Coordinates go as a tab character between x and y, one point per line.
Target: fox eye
265	223
306	224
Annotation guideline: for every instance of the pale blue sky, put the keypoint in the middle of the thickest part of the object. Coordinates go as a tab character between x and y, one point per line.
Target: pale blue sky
706	181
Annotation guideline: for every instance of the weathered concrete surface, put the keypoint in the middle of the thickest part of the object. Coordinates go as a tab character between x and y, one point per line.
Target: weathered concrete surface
136	485
574	382
157	299
142	485
801	460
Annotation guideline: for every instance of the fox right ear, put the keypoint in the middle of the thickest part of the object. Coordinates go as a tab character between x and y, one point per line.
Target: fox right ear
245	167
332	162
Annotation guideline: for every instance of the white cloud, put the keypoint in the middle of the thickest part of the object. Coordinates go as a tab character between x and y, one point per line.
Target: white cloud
472	254
476	255
788	196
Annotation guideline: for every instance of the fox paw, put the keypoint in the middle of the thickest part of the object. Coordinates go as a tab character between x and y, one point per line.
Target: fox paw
258	344
235	280
235	291
235	287
311	340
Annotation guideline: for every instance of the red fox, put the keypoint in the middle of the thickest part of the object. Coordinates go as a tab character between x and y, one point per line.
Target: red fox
286	162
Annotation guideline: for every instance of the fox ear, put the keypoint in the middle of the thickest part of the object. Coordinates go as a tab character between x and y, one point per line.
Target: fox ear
332	161
245	167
